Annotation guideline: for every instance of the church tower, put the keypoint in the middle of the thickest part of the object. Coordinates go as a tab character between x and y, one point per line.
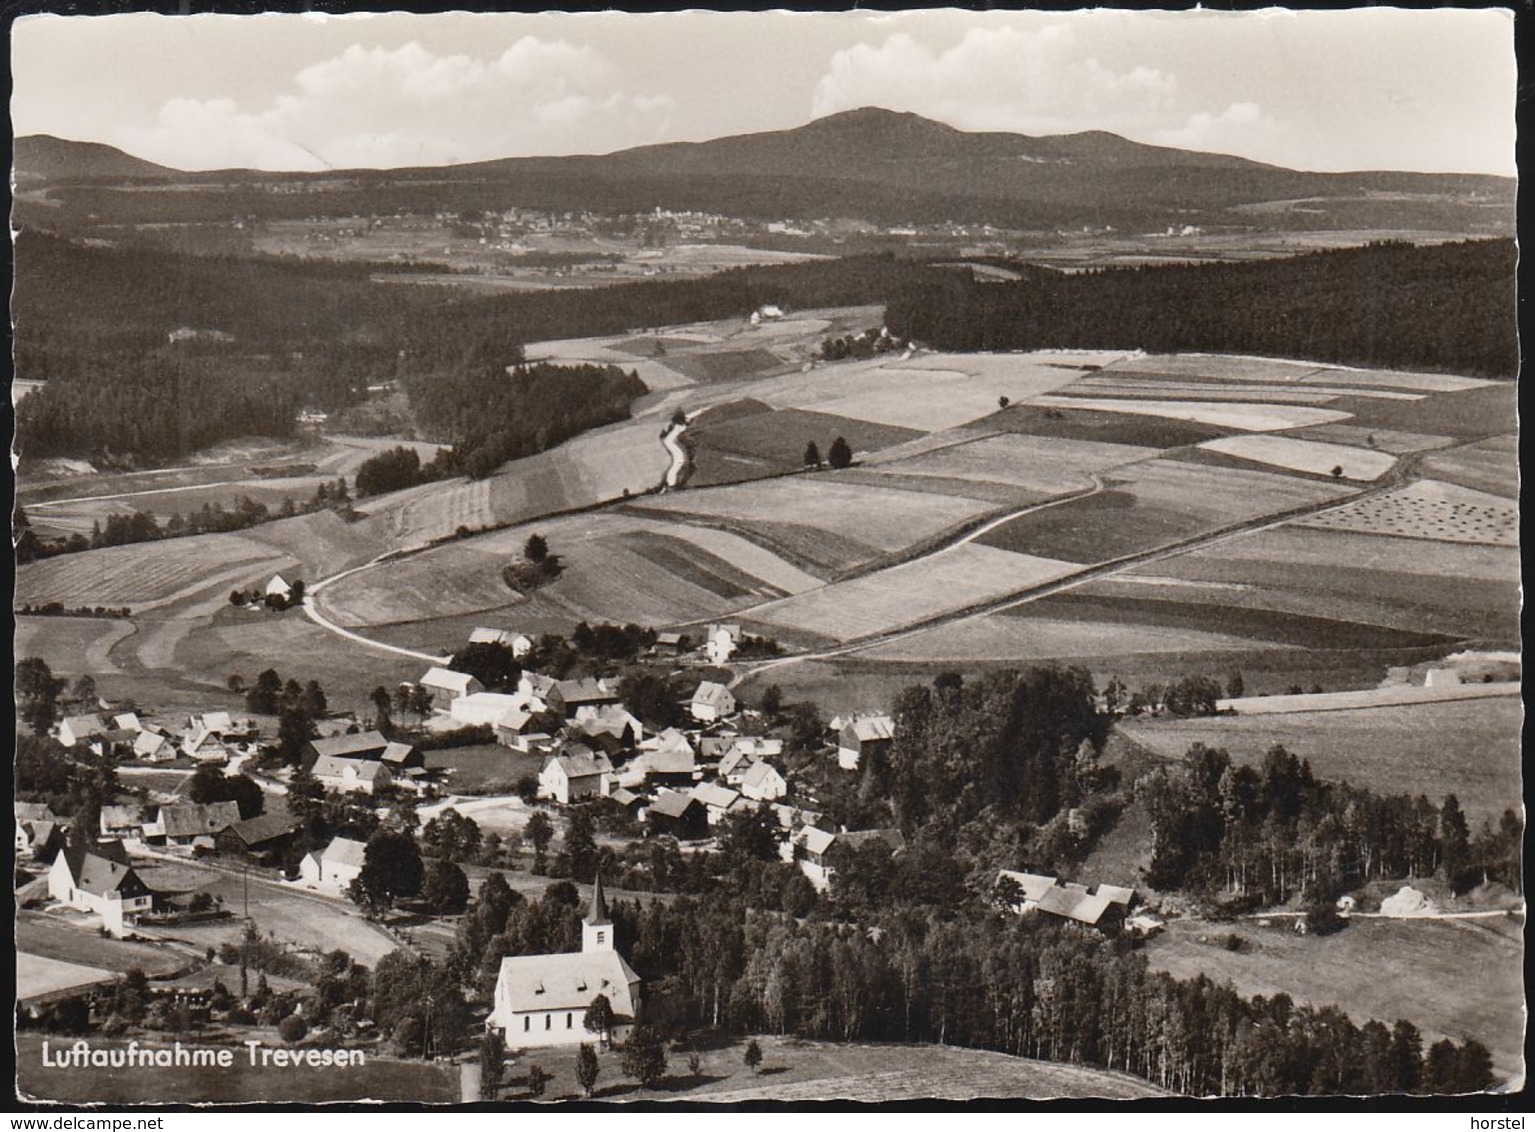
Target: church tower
597	928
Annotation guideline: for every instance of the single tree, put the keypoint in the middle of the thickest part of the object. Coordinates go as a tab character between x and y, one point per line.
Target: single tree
587	1068
293	1029
538	1079
391	868
645	1057
599	1019
753	1055
1337	471
492	1065
1004	401
536	549
695	1063
381	709
812	455
37	694
840	455
772	701
539	832
446	889
1235	686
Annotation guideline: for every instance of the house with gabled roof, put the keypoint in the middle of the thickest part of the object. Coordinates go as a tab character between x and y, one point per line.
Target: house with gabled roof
205	746
261	839
763	783
127	721
580	699
117	822
336	866
540	1000
711	702
101	883
182	823
666	759
520	644
717	800
351	776
616	721
77	729
279	587
447	685
863	736
154	747
678	814
41	840
816	851
575	774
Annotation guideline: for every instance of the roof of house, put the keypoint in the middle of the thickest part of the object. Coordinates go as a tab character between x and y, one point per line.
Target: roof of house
118	735
580	762
815	839
120	817
101	876
188	819
149	742
625	797
672	759
1115	893
516	718
217	721
669	740
200	737
730	628
713	794
538	683
1083	907
584	691
714	695
344	851
668	638
761	774
364	770
263	828
566	982
672	804
868	728
397	752
127	721
448	679
364	744
484	636
39	833
613	719
81	725
1032	885
34	811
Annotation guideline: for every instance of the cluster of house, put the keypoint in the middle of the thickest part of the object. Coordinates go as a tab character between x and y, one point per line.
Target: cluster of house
1107	907
364	763
212	737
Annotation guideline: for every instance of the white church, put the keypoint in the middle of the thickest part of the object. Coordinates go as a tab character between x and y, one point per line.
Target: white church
542	999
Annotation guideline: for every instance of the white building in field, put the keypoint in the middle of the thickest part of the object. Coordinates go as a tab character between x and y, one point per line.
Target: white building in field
334	867
712	702
447	686
541	1000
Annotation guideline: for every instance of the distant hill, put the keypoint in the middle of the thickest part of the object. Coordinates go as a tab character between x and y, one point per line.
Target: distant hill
42	157
869	164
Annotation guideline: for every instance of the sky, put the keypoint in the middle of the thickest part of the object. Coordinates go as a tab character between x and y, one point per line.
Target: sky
1381	88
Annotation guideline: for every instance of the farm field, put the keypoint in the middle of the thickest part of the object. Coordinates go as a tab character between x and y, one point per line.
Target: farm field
53	937
1225	367
381	1079
1044	466
1482	410
1220	414
884	518
1429	509
71	645
1382	439
1463	590
1468	747
908	593
1152	504
1101	426
1313	456
1489	465
37	975
1458	979
778	437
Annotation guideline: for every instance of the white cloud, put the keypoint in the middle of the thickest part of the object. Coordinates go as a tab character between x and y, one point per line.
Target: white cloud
1039	82
370	106
1241	128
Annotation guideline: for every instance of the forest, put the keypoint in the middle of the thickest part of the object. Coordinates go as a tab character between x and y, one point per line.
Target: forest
1393	305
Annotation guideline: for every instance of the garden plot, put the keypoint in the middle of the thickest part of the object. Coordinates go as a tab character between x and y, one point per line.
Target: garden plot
902	595
881	517
1042	465
1430	510
1491	465
1312	456
1244	418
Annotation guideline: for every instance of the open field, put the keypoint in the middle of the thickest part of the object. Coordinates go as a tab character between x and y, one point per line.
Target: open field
1221	414
1102	427
139	576
1474	413
1468	747
71	645
1225	367
1458	979
380	1079
794	1069
1463	590
1429	509
37	975
62	940
473	770
1045	466
902	595
1316	457
778	437
885	518
1489	465
1154	503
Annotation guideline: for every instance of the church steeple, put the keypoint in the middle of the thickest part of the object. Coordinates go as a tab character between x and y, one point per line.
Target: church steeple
597	928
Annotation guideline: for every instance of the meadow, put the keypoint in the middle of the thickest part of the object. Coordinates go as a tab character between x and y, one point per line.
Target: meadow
1457	979
1468	747
1429	509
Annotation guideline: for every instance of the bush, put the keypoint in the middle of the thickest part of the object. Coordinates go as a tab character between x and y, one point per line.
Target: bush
293	1029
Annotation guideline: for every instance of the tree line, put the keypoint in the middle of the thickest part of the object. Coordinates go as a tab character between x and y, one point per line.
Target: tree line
1448	307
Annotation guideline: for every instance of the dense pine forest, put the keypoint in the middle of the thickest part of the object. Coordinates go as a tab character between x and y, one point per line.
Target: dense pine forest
1393	305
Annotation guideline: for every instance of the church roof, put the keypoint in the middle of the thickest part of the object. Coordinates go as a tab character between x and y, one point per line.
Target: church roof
566	982
598	912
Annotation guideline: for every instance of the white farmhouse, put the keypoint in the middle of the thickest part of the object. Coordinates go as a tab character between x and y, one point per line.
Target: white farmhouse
712	702
334	867
447	686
